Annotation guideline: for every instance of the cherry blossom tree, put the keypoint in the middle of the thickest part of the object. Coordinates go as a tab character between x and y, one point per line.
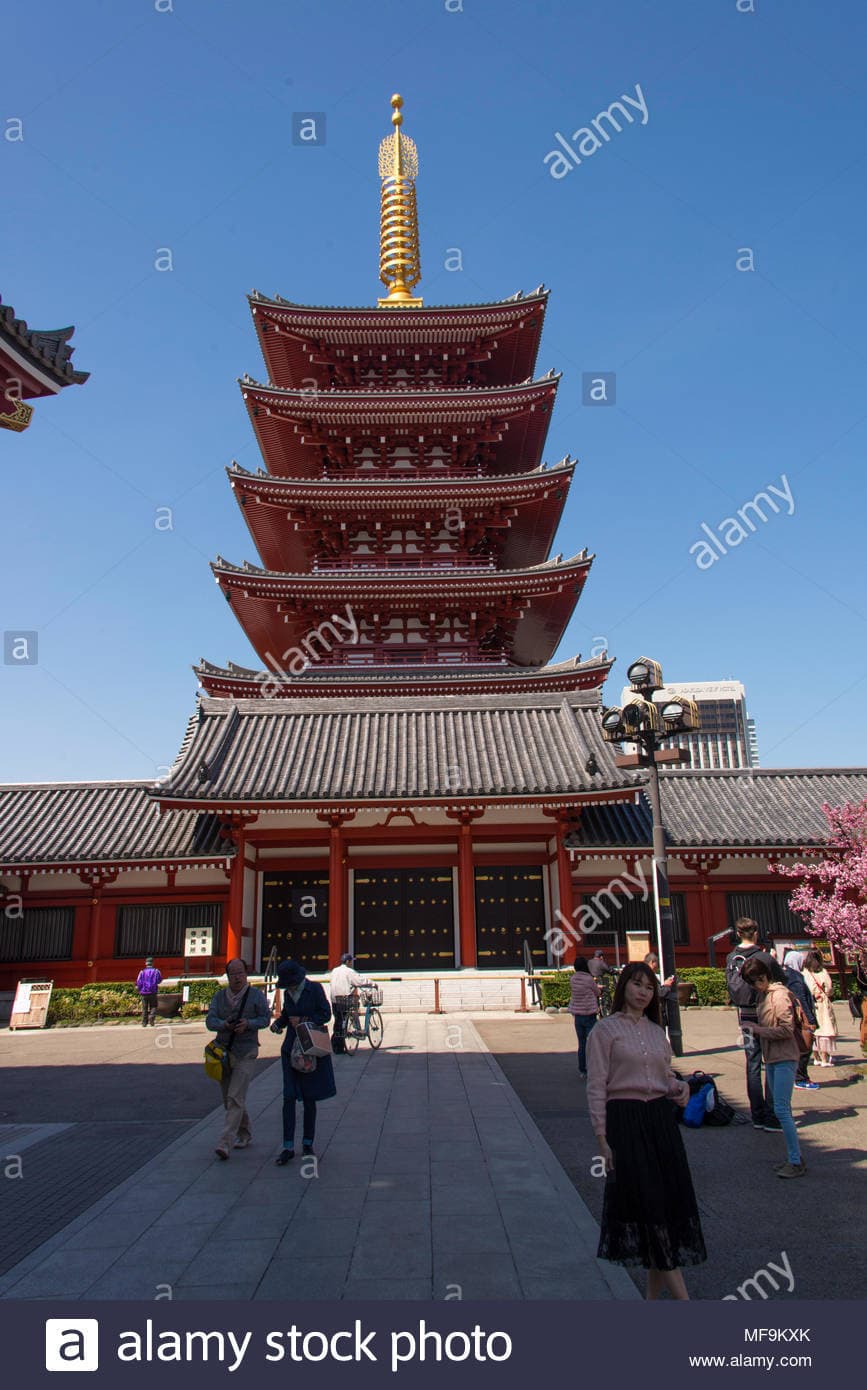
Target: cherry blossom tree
832	894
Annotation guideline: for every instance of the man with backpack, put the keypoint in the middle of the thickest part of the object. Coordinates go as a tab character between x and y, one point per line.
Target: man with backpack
745	999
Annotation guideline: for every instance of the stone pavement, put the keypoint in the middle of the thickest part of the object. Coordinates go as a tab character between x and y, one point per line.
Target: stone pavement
749	1216
432	1181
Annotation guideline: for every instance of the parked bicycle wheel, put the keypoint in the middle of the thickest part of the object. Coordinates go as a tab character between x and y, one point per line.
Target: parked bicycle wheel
375	1030
351	1032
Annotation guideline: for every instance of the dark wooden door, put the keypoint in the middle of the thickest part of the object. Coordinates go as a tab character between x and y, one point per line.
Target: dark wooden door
510	909
295	918
404	919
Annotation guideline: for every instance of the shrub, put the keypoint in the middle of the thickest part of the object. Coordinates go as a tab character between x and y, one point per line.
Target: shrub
710	983
555	989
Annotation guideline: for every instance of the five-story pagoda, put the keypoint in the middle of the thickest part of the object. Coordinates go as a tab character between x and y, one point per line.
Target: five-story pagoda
400	774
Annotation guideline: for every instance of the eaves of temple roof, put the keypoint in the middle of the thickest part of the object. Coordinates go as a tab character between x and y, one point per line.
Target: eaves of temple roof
239	682
442	403
501	337
42	354
321	315
392	583
355	489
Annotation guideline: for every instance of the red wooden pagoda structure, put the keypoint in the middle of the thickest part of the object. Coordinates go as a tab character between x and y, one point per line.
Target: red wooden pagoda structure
405	612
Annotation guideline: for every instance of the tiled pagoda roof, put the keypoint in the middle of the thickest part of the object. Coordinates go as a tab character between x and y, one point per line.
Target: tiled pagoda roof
437	749
44	351
275	609
761	808
240	682
525	507
101	826
292	425
296	338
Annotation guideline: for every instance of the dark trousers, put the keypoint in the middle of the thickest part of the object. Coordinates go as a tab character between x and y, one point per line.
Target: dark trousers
801	1074
148	1009
340	1008
761	1104
309	1133
583	1026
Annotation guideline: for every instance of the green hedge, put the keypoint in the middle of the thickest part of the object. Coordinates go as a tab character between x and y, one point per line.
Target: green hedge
555	989
710	983
710	986
91	1003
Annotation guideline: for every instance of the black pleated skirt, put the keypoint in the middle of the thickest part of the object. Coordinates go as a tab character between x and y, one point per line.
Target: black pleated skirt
649	1213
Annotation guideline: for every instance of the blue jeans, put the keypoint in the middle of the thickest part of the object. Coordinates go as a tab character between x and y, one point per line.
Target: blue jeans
583	1025
761	1108
781	1076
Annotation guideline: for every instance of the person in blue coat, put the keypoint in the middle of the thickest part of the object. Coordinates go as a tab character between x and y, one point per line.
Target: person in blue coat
304	1001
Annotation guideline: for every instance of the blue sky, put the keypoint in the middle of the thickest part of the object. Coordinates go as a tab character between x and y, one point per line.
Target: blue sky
156	124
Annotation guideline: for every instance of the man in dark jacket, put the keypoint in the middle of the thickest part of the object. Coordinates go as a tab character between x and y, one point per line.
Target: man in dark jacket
746	999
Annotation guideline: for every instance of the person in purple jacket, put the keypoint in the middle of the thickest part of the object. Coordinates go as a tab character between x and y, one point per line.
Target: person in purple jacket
147	984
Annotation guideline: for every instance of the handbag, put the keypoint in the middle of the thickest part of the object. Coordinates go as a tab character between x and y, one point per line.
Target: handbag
803	1030
216	1061
217	1064
315	1042
300	1060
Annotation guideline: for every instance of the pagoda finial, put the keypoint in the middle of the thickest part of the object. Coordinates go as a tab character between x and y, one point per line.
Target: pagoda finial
399	260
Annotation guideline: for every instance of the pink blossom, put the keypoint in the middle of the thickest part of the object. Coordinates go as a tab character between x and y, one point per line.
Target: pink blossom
832	892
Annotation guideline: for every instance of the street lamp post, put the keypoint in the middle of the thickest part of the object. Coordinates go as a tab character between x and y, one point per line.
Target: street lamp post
647	723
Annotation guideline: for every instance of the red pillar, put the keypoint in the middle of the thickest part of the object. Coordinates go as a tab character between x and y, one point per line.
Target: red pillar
234	923
93	931
466	893
338	920
567	899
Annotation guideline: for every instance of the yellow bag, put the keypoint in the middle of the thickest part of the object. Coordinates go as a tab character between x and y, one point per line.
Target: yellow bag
216	1061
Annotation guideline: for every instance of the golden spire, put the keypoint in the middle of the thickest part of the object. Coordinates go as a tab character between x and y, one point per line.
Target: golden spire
399	261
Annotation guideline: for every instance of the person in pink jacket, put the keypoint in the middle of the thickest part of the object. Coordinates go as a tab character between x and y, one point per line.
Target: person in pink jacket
775	1028
649	1211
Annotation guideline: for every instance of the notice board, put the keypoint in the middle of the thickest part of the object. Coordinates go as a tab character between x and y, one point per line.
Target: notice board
30	1009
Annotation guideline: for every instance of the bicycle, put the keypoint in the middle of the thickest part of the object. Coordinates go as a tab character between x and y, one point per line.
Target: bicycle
354	1028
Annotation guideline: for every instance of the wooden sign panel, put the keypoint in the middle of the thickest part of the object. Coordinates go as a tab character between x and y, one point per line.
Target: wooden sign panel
30	1009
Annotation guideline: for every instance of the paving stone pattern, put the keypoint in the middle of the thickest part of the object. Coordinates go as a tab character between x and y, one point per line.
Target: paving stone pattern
432	1181
65	1173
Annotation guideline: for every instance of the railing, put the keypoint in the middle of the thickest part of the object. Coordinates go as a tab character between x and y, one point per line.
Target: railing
367	563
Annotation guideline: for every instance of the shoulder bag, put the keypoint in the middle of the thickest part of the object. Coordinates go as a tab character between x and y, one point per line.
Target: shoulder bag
217	1064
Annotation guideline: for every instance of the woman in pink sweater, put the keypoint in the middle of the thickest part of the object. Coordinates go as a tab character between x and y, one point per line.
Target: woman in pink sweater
649	1212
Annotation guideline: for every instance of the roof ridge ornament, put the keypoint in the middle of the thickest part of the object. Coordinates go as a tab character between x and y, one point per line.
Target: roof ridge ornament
399	257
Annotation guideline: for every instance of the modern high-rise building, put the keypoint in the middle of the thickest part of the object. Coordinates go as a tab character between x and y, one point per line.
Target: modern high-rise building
727	736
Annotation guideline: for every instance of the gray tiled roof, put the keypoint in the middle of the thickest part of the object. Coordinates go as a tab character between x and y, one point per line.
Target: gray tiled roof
764	807
396	749
47	348
99	822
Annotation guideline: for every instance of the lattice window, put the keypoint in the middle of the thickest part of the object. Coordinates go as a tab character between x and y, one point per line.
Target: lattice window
42	933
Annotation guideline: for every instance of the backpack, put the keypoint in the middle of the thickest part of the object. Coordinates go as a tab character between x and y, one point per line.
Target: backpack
740	992
804	1031
706	1105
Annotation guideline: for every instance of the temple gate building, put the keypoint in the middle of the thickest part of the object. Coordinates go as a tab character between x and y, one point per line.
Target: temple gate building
408	773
